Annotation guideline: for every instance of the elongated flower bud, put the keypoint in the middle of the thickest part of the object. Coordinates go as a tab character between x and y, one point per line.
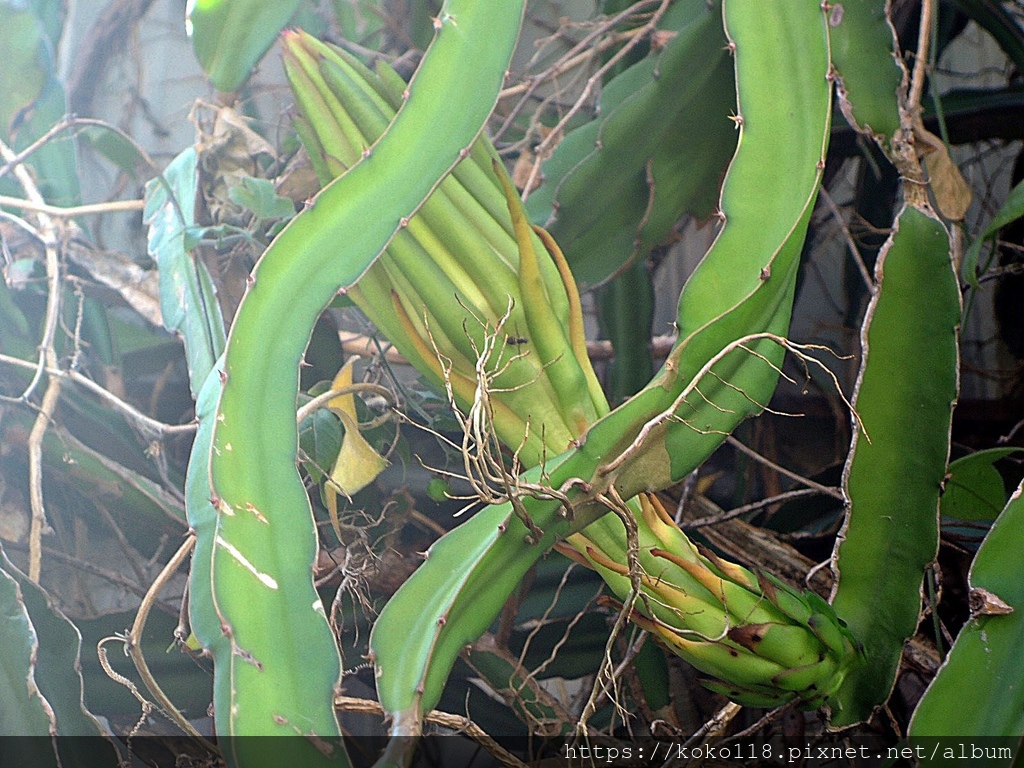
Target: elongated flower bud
463	267
764	642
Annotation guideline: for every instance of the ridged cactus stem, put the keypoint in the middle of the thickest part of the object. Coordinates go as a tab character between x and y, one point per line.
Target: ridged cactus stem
470	268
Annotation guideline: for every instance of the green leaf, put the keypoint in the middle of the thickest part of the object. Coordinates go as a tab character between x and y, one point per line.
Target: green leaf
358	19
230	36
985	659
96	476
24	73
188	300
25	711
114	146
260	197
1011	210
974	487
41	683
32	98
51	16
320	436
14	322
904	398
55	164
438	489
506	676
615	187
58	674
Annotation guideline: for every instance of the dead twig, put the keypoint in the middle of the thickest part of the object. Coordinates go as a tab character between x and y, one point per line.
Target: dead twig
548	142
67	212
752	507
851	245
597	350
47	234
835	493
322	399
146	424
133	645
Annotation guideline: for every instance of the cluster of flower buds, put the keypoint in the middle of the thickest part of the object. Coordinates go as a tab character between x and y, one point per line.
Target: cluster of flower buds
469	270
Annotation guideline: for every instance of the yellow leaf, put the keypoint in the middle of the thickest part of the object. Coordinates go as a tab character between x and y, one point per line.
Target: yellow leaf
358	464
951	191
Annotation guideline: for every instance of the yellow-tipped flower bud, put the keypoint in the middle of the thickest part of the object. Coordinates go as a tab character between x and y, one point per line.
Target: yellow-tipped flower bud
764	642
467	277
